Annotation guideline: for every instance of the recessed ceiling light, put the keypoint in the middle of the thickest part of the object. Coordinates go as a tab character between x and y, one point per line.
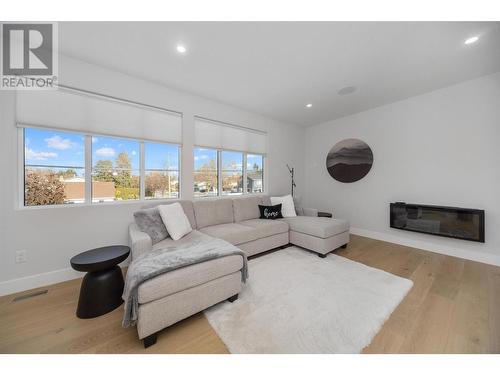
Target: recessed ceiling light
181	49
347	90
309	105
471	40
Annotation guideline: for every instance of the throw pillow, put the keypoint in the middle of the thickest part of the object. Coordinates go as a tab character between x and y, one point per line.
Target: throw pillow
270	212
149	221
175	220
287	208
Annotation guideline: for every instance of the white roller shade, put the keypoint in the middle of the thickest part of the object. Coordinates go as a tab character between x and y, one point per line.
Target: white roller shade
73	110
215	134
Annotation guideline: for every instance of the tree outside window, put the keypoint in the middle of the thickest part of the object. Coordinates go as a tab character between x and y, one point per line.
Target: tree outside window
232	172
115	171
255	173
54	167
205	172
162	170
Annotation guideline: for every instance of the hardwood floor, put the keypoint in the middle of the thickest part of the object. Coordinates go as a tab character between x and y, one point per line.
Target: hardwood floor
454	307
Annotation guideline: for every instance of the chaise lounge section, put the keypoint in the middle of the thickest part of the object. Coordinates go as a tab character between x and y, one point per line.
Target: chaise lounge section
319	234
176	295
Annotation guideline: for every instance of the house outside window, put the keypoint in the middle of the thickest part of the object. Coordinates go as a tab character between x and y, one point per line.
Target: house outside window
255	173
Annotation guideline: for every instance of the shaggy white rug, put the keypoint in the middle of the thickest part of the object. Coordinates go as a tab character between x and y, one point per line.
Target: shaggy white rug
296	302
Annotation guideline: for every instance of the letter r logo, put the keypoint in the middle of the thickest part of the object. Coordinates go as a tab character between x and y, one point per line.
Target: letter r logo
27	49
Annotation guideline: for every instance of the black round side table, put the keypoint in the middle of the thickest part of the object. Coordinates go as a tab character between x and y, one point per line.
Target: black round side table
102	286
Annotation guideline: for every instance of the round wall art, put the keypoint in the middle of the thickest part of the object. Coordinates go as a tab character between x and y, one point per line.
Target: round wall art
349	160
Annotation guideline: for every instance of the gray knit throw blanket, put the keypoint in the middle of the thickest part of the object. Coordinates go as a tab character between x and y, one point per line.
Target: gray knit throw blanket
160	261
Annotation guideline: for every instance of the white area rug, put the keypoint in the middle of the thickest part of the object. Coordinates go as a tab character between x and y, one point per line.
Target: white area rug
296	302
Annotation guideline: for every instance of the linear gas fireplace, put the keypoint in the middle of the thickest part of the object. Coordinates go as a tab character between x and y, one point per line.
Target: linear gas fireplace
455	222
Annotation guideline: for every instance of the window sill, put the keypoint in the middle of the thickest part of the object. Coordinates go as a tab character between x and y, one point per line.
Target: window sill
231	195
102	204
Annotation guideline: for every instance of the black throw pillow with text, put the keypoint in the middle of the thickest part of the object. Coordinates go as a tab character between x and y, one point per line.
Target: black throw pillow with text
270	212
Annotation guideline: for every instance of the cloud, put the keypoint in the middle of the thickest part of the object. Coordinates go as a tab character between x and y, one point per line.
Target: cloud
105	152
134	153
95	139
34	155
58	143
201	157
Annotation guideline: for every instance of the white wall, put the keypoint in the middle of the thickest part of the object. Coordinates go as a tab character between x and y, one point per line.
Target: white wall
439	148
53	235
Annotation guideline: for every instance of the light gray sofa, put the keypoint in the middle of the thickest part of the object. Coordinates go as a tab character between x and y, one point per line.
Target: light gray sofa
176	295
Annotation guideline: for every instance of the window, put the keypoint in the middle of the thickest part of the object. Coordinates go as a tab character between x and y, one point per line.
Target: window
232	172
54	167
205	172
115	169
228	168
255	173
161	170
239	171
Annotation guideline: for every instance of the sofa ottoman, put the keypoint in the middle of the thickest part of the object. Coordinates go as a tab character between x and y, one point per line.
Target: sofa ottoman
319	234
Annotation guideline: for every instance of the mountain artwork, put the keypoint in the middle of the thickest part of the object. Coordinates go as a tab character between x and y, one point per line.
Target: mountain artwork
349	160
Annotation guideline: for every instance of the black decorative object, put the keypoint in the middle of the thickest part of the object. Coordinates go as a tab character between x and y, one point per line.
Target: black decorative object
325	214
270	212
102	287
292	171
349	160
454	222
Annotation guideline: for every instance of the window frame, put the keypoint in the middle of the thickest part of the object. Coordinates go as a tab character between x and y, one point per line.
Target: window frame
219	172
88	168
22	167
222	170
217	163
139	143
264	169
143	170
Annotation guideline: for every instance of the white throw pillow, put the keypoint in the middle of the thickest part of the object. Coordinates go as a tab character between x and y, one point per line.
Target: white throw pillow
287	205
175	220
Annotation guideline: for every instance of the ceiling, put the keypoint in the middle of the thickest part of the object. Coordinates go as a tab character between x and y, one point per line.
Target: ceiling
276	68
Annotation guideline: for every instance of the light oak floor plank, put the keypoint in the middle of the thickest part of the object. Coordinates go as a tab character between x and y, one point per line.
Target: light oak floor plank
453	307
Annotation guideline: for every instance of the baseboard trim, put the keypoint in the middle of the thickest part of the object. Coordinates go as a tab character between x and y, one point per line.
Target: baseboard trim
36	281
481	257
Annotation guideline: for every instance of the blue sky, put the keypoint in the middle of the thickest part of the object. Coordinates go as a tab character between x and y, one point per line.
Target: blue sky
65	149
232	160
161	156
105	148
202	156
254	159
56	148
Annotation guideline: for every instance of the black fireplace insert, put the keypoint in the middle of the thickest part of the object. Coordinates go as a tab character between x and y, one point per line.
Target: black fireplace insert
454	222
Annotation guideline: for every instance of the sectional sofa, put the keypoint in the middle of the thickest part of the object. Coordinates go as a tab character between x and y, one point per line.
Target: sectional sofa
173	296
